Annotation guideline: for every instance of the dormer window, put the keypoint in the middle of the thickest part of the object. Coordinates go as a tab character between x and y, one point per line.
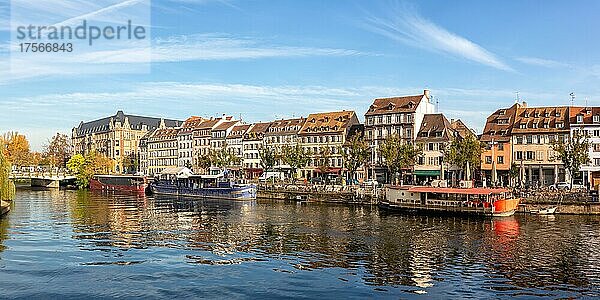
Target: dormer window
546	115
536	115
523	125
559	125
579	119
557	114
597	119
502	113
526	115
534	125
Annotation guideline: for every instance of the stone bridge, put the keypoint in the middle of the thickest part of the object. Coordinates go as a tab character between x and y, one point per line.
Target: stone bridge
44	179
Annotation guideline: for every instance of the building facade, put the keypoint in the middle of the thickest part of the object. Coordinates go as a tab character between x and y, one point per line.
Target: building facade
252	142
324	135
116	137
163	150
398	115
283	133
185	138
586	121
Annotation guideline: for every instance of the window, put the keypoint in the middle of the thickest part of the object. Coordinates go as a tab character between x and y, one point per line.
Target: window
534	125
596	147
519	155
529	139
530	155
597	119
500	159
596	133
389	119
540	155
559	125
523	125
519	140
500	146
488	159
431	147
579	119
596	161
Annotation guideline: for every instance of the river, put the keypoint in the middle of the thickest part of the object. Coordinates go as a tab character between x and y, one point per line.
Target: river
77	244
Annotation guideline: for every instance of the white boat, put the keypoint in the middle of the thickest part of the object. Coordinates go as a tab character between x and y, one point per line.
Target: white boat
544	211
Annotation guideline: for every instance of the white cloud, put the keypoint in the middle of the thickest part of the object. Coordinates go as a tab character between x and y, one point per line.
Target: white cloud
408	27
541	62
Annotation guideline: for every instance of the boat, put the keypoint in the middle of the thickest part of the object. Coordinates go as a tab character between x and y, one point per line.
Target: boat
4	207
487	202
119	183
215	185
544	211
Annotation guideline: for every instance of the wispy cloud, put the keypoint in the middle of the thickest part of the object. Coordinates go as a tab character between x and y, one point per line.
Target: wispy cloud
407	26
541	62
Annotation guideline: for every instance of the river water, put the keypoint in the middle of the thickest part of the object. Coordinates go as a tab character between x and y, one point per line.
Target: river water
70	244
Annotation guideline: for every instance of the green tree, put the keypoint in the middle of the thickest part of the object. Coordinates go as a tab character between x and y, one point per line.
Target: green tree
355	153
7	187
57	150
465	153
86	166
295	157
573	153
324	159
513	173
205	161
131	163
398	155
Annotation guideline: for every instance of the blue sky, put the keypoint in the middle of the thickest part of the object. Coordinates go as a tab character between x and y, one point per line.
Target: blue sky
263	60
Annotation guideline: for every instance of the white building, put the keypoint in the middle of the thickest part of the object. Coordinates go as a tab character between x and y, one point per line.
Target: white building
186	142
253	141
586	120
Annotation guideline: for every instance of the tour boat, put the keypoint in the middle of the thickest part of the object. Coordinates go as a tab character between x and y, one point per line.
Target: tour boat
215	185
493	202
119	183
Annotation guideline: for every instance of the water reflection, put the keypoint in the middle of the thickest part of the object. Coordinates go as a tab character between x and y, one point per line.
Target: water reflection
522	255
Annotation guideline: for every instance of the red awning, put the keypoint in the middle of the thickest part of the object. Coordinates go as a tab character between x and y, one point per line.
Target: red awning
471	191
330	170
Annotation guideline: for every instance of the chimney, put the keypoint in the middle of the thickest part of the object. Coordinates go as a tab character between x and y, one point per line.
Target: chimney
426	93
524	104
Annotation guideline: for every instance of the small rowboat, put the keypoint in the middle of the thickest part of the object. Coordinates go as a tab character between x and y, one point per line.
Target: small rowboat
4	207
544	211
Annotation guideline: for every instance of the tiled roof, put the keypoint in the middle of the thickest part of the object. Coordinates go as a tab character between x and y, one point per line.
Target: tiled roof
208	124
394	105
541	119
225	125
587	114
190	124
257	131
164	134
499	124
330	122
238	131
434	126
460	127
284	127
136	122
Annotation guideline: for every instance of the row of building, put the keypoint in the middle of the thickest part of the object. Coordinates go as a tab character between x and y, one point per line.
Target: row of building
518	137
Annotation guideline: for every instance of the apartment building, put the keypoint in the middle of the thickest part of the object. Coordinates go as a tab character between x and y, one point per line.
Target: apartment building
323	135
116	136
218	138
586	121
235	146
397	115
185	138
201	135
252	142
162	150
283	133
497	155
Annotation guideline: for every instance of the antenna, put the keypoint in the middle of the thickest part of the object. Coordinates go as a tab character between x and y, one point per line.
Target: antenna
586	101
572	94
437	104
517	100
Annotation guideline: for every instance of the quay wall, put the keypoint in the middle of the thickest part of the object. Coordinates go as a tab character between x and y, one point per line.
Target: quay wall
312	196
569	208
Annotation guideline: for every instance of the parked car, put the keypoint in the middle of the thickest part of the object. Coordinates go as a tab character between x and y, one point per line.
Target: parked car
371	182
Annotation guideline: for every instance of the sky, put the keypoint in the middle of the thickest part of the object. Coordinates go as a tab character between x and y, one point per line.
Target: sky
265	60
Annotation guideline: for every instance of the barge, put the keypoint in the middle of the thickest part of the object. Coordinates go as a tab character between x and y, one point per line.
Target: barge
119	183
487	202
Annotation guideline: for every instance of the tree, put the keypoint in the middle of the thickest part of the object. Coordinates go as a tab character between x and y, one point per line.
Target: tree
295	157
355	154
324	159
205	161
7	187
573	153
16	149
57	150
268	158
465	153
86	166
398	155
131	163
513	173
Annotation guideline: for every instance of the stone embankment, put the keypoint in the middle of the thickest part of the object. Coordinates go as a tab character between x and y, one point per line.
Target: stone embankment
329	194
578	203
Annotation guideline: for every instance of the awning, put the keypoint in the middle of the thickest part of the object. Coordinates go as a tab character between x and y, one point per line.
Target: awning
426	172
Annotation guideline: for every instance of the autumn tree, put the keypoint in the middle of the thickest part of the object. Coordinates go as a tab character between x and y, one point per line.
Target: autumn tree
57	150
86	166
16	149
7	187
355	154
398	156
131	163
296	157
573	153
465	153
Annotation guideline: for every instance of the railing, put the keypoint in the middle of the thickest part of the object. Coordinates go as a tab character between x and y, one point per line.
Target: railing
52	175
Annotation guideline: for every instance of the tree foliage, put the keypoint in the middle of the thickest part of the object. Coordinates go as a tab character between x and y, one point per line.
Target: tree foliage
324	159
355	154
295	157
465	152
131	163
221	158
86	166
398	155
57	150
16	149
268	157
573	153
7	187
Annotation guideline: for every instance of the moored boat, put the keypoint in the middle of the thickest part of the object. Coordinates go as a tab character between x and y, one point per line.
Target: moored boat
493	202
215	185
544	211
119	183
4	207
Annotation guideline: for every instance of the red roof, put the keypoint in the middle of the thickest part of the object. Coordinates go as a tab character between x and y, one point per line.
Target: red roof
471	191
